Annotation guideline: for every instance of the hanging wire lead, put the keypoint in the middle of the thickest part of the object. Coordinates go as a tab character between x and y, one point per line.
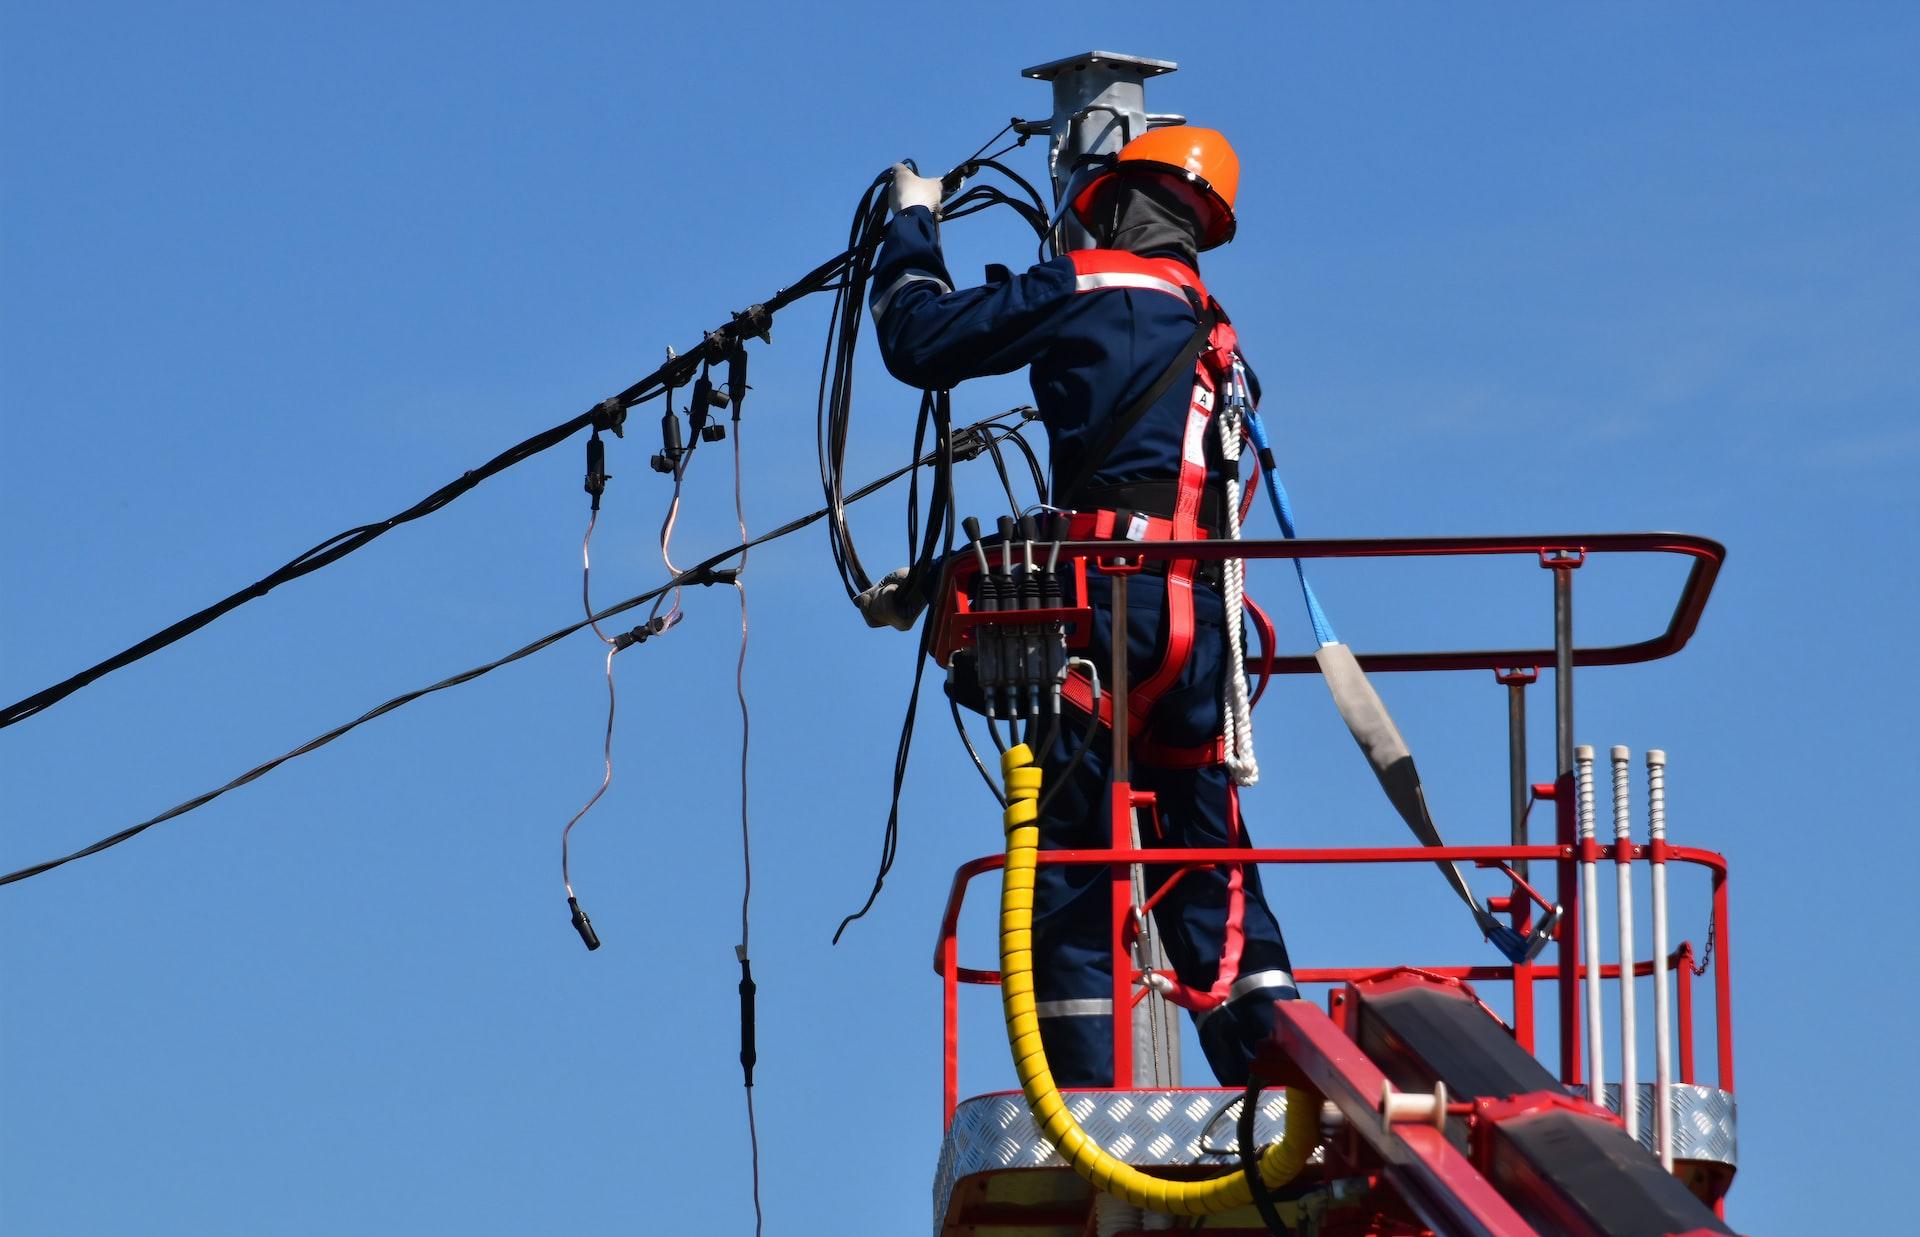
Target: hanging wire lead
582	924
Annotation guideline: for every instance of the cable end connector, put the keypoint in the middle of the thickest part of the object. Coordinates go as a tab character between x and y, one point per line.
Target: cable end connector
583	925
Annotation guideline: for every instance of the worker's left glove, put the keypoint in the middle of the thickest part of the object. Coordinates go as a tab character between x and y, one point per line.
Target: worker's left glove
912	189
888	604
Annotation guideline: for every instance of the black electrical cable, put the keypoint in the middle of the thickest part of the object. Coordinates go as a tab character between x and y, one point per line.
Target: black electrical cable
1250	1158
890	842
833	411
960	726
609	414
703	572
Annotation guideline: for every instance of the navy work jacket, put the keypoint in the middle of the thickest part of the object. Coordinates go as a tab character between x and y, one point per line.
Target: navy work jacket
1093	348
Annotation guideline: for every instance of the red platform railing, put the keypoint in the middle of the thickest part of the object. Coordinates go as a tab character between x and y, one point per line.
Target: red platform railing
1521	978
1515	669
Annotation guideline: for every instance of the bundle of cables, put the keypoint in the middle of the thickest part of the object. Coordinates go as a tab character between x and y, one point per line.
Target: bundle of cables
929	529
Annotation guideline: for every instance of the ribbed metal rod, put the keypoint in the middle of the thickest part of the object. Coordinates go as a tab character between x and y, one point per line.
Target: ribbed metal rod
1590	928
1623	869
1662	1014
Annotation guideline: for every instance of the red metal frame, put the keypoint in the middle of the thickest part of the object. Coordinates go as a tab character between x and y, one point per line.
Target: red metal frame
1562	554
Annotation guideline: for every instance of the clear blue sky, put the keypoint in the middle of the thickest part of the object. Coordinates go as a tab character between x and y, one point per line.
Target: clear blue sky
271	271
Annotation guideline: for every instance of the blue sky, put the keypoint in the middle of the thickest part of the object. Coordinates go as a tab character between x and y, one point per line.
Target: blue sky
272	271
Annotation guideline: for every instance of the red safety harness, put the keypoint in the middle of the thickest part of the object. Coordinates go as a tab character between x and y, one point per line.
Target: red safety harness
1098	271
1106	270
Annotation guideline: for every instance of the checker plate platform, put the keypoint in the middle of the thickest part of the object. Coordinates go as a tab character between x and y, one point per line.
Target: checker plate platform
981	1184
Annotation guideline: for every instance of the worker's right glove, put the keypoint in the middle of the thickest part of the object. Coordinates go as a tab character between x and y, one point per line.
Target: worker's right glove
912	189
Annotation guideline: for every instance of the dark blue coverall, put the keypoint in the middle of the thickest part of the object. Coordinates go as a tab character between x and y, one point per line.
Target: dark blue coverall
1091	354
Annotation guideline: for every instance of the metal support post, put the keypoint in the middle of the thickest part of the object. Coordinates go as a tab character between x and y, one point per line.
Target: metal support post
1562	565
1518	788
1099	104
1121	809
1146	1036
1623	870
1662	1015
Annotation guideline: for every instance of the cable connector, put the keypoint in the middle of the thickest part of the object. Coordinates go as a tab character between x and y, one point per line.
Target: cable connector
645	631
748	1056
968	444
737	378
709	576
671	448
583	925
705	398
597	474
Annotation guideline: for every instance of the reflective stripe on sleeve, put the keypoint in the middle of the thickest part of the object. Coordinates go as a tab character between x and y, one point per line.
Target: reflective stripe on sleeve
885	298
1247	985
1082	1007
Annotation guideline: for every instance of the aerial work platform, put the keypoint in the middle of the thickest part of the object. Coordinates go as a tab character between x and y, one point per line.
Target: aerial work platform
1436	1116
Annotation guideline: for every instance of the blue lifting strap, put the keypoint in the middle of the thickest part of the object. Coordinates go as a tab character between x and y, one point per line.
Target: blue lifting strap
1283	512
1372	726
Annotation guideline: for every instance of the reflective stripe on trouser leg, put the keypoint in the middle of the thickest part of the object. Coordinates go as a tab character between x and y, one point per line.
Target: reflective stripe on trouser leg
1278	983
1231	1034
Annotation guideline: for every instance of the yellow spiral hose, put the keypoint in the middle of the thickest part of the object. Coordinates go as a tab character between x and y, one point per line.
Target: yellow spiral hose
1280	1162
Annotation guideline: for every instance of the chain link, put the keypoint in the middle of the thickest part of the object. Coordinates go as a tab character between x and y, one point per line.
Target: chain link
1706	958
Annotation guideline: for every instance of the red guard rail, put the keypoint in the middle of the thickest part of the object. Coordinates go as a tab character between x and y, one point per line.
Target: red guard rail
1522	978
1706	555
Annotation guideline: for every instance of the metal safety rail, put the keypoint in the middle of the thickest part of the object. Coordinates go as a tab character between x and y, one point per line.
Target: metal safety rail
1573	968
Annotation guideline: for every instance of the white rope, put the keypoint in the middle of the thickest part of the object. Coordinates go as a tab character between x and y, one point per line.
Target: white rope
1236	719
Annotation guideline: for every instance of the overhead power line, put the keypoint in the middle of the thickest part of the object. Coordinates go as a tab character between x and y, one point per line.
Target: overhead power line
610	414
968	443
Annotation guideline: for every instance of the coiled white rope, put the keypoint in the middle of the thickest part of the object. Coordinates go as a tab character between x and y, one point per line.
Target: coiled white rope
1236	718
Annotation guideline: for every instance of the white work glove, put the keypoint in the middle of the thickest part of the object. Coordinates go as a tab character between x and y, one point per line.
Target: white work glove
887	603
912	189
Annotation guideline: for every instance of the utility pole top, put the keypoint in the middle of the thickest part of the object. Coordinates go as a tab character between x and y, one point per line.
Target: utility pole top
1099	105
1141	67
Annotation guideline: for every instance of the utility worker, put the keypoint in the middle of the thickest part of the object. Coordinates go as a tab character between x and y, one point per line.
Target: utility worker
1112	337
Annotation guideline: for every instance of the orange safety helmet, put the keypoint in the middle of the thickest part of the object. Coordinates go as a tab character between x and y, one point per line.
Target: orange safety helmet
1197	157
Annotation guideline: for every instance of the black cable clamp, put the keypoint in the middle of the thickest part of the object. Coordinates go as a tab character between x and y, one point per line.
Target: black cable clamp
610	416
753	322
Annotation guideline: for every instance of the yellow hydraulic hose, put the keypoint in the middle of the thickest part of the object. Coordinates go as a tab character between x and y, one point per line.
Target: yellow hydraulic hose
1278	1165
